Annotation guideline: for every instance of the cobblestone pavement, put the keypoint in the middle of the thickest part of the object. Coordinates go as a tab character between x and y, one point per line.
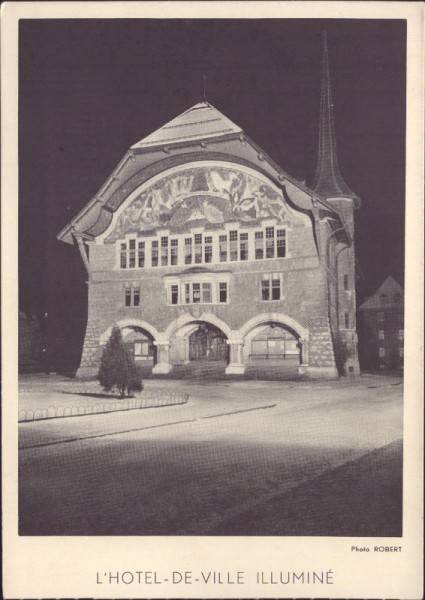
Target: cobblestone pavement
190	469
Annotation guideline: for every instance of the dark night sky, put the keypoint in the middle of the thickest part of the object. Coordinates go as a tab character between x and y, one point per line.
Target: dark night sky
89	89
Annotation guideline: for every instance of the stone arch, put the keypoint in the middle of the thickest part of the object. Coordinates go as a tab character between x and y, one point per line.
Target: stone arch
280	318
187	319
130	323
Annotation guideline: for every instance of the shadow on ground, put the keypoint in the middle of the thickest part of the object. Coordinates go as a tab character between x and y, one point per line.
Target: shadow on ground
359	499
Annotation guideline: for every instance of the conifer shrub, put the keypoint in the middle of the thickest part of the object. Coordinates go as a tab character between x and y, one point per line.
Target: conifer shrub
117	370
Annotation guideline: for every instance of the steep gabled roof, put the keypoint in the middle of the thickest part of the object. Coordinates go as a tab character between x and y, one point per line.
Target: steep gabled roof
384	297
199	122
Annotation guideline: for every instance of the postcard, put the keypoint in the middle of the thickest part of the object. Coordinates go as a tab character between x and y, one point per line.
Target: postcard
212	299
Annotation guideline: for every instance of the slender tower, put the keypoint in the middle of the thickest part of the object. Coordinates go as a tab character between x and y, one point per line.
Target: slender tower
329	184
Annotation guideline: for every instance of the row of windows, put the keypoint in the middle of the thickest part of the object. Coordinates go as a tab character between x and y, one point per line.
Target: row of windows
206	292
198	293
383	353
400	334
202	249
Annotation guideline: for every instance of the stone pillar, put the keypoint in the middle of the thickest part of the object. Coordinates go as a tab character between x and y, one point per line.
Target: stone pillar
321	358
163	366
235	366
90	357
303	368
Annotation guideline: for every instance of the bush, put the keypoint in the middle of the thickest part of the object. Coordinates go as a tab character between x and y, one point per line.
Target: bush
117	367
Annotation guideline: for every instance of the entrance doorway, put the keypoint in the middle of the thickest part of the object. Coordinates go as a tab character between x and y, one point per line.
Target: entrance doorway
208	343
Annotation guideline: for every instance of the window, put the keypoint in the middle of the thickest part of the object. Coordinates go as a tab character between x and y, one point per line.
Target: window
187	293
271	286
381	334
381	317
269	242
174	252
141	256
222	292
259	245
223	248
401	334
276	289
164	251
383	298
196	293
208	249
381	352
123	256
281	243
346	282
188	251
206	293
132	294
233	245
198	248
132	254
346	320
265	289
243	246
401	352
154	253
174	294
127	294
141	348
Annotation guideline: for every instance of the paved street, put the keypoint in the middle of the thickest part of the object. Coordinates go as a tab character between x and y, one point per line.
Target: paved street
237	459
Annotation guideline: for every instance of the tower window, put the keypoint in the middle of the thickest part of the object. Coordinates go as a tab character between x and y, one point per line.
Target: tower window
346	320
381	352
401	334
346	282
381	334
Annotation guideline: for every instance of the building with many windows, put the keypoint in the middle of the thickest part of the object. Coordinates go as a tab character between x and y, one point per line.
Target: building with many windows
200	247
381	328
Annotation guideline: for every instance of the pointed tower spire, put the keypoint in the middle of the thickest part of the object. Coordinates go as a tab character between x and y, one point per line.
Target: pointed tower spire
328	181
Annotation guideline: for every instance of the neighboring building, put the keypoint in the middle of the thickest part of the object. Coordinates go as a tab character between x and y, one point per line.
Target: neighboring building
381	328
200	247
31	343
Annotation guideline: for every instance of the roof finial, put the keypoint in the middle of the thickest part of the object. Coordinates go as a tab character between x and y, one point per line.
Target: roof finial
328	181
204	82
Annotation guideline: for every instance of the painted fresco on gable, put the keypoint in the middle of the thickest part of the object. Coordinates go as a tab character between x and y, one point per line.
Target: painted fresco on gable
204	195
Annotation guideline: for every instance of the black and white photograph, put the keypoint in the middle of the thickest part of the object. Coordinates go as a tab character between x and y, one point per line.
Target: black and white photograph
211	294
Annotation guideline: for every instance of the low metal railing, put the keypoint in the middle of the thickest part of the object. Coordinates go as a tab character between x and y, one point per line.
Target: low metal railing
154	399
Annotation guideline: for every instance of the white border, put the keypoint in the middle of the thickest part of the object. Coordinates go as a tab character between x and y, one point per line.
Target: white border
64	566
